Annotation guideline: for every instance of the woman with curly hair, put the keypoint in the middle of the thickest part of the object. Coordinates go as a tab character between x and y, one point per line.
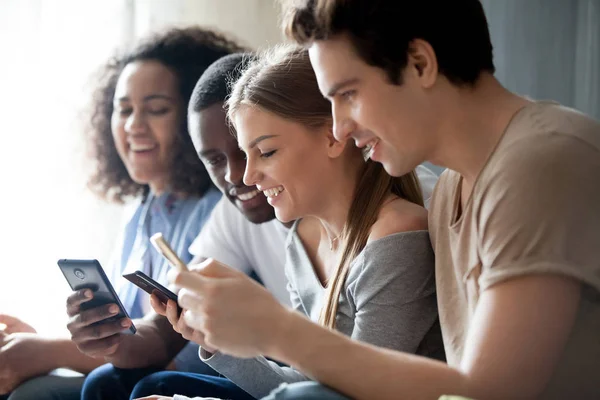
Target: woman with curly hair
144	157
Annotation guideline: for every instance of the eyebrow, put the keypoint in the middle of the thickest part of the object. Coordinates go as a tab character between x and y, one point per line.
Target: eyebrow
150	97
260	139
335	88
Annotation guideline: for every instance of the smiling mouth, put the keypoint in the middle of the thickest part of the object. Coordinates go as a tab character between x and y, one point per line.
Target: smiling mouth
273	192
367	151
247	196
141	148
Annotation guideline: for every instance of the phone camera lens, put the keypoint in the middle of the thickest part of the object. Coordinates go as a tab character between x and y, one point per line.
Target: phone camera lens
79	273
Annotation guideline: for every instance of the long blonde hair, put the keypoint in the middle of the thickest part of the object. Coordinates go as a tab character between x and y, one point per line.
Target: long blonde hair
283	82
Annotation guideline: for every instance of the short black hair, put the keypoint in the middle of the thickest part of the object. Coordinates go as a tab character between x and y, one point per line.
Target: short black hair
214	86
381	32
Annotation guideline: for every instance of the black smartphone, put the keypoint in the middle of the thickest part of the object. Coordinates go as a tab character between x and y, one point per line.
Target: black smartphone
88	274
150	286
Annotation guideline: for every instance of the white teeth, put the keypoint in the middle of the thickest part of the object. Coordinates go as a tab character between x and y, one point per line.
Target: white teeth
141	147
248	196
367	151
273	192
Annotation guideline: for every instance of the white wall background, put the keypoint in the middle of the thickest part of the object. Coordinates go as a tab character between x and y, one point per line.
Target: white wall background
253	22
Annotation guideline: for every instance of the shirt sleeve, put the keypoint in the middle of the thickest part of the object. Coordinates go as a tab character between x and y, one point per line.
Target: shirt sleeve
540	212
222	238
392	291
259	376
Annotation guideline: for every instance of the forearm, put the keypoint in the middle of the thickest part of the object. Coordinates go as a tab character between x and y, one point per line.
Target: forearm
154	344
63	353
359	370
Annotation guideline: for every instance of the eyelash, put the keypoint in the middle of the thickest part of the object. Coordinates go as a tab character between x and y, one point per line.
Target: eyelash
268	154
347	95
160	111
215	161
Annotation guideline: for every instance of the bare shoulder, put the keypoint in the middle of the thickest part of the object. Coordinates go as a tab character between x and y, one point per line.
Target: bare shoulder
399	216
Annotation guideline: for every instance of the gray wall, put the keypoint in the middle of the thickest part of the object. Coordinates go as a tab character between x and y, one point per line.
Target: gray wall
548	50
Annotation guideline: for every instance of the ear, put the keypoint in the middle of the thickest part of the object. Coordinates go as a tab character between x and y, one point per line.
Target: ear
422	63
335	148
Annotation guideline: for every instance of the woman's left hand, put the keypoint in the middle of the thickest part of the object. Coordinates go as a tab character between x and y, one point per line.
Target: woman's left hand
237	315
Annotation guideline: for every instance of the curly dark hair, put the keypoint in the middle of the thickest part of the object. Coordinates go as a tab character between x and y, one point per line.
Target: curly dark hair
187	52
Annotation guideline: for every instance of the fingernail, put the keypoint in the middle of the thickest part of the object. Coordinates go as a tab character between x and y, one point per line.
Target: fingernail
88	294
125	323
113	309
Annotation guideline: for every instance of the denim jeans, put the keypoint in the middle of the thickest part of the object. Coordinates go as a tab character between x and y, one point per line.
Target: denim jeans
169	383
109	382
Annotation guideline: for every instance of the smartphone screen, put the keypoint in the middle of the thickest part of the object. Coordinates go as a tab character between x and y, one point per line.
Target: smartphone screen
88	274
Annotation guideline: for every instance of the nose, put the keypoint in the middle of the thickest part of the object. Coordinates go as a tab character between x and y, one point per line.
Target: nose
343	126
252	176
135	123
235	170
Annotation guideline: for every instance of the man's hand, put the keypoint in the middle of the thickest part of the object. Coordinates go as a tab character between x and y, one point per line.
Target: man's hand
236	315
179	325
14	325
94	340
21	358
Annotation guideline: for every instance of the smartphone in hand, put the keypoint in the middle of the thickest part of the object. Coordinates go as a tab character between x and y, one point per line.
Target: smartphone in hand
88	274
150	286
161	245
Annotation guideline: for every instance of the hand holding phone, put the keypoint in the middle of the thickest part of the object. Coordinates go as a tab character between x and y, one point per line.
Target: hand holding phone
161	245
152	287
88	274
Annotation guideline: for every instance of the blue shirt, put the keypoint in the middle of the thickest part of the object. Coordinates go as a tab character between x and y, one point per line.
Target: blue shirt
180	221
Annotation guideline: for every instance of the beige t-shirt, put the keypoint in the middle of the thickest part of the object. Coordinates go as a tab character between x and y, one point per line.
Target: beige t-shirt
534	209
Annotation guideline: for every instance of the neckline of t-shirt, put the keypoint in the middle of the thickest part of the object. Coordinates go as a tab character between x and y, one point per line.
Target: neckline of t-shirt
456	221
300	246
368	247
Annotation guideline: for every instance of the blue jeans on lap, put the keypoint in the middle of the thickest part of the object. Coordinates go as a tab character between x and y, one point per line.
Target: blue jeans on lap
109	382
169	383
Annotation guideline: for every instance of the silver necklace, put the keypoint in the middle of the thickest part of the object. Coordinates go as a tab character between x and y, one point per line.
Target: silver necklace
332	241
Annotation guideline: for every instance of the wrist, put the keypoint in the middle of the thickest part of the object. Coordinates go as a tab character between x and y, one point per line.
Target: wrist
54	352
284	336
